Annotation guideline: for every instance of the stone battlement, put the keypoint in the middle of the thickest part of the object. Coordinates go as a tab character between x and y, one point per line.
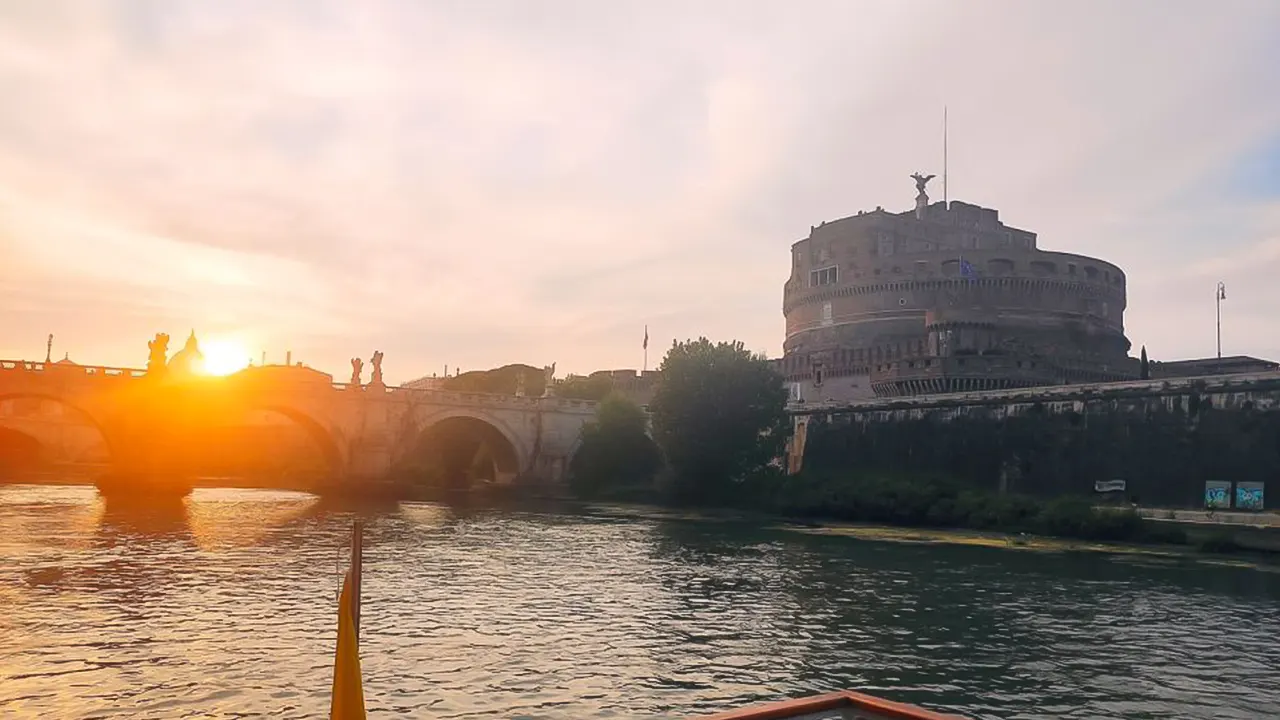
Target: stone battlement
1265	386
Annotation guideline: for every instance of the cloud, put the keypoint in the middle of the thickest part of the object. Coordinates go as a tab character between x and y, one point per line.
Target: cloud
481	183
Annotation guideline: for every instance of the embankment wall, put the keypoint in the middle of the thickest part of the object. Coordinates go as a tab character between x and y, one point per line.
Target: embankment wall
1165	439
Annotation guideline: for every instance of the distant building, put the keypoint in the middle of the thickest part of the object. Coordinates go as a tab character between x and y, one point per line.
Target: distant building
945	298
637	387
1234	364
426	383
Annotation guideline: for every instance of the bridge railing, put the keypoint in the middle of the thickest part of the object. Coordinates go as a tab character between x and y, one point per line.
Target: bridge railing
470	398
70	369
409	394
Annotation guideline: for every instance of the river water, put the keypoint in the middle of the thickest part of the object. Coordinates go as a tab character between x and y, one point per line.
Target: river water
226	607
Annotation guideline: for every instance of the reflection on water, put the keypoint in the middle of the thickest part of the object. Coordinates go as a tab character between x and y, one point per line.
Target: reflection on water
223	606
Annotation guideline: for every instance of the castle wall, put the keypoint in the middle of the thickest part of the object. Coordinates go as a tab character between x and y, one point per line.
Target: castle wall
1165	439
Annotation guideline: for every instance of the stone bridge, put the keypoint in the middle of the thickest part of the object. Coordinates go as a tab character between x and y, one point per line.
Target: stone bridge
365	432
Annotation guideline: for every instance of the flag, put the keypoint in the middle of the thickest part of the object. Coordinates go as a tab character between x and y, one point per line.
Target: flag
646	338
348	691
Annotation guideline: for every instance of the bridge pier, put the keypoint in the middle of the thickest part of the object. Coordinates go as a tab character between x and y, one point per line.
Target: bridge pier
149	456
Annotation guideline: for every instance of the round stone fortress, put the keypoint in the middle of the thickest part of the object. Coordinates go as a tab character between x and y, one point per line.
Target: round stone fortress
945	298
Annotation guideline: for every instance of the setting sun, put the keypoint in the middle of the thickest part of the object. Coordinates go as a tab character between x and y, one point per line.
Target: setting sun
223	356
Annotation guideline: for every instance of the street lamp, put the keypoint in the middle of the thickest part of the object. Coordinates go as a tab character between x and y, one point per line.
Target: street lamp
1221	295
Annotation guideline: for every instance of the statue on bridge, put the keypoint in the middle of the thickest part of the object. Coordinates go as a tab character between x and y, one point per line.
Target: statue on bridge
157	361
376	361
357	367
548	379
520	384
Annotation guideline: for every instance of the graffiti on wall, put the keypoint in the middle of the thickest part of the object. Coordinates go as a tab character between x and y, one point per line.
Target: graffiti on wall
1249	495
1217	494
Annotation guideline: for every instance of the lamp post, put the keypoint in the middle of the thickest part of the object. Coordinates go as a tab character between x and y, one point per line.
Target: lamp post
1218	298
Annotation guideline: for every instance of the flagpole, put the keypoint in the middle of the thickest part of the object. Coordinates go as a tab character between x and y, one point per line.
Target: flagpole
357	570
346	700
944	158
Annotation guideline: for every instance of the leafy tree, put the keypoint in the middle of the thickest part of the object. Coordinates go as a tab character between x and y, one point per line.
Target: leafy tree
719	414
585	388
616	456
503	380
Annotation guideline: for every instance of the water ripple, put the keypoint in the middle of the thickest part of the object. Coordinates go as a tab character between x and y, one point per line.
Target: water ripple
226	608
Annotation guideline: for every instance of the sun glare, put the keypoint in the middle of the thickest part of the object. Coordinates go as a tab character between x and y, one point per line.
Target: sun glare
223	357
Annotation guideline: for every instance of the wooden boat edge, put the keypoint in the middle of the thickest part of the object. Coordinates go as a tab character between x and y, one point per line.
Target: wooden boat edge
799	707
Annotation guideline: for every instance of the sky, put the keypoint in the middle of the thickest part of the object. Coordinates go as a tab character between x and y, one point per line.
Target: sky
478	182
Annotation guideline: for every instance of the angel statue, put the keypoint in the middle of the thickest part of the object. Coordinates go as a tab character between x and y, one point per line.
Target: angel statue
357	367
548	379
157	361
921	181
376	360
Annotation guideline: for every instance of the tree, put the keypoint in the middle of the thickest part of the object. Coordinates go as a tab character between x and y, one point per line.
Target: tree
616	455
503	380
719	413
585	388
1144	366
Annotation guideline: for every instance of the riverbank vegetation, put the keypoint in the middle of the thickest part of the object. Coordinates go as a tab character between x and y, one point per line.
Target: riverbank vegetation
719	424
617	460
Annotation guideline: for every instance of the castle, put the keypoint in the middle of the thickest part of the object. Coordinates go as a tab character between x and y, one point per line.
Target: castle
945	298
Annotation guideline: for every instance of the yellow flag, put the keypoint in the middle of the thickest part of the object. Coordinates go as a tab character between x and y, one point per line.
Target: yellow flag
348	691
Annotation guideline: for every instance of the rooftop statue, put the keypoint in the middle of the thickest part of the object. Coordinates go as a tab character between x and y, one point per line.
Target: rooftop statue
921	181
376	361
357	367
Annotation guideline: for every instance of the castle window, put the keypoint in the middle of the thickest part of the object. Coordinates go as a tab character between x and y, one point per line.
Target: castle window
1041	268
825	276
1000	266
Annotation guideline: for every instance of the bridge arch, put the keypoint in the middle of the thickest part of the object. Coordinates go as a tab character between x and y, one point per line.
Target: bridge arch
80	412
267	439
19	450
327	439
463	447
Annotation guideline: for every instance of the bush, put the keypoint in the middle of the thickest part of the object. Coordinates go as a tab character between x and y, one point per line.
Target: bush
1164	533
931	502
1220	542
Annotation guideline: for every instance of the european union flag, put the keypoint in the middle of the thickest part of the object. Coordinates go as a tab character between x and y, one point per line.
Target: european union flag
967	270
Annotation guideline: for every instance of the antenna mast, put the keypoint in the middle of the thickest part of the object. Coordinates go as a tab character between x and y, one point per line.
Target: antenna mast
945	198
